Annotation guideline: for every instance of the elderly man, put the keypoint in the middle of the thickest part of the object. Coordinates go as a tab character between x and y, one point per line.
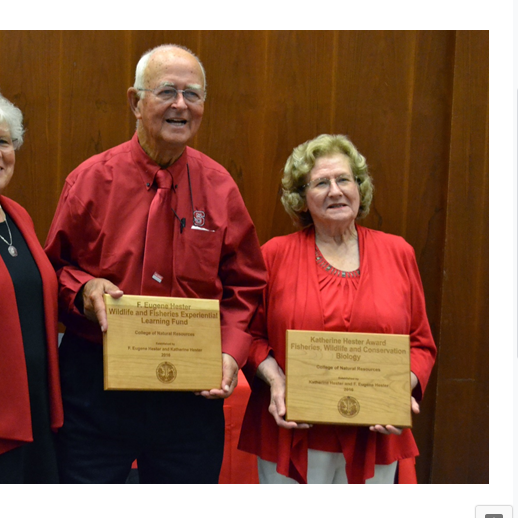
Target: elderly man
100	242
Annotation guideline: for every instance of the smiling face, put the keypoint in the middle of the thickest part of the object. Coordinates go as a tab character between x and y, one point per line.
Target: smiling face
7	158
334	208
165	128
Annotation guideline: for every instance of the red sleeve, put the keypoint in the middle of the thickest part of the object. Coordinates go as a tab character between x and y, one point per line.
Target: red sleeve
423	350
243	279
260	347
60	250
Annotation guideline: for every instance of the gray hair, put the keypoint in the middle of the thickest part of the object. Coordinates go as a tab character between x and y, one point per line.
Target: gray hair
298	168
144	60
13	116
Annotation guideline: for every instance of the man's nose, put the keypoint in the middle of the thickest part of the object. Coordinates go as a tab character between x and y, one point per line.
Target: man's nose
179	100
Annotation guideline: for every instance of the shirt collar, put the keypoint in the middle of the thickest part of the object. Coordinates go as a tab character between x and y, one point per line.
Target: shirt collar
148	167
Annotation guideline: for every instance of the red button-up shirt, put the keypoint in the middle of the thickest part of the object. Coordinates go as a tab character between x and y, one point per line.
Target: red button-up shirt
99	230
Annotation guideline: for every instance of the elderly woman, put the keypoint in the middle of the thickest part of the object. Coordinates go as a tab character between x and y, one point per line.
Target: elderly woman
30	398
332	275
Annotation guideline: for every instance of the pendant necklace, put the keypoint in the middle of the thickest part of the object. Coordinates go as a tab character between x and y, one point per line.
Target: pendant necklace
10	248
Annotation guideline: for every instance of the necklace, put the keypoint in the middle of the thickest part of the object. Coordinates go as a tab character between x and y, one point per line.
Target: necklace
10	248
321	261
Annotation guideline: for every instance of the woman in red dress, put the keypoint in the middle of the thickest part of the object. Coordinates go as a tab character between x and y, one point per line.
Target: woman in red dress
332	275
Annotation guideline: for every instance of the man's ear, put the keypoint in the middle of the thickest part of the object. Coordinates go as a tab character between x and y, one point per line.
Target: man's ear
133	100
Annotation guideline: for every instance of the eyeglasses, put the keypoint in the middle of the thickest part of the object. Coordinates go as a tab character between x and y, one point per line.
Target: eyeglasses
323	184
169	93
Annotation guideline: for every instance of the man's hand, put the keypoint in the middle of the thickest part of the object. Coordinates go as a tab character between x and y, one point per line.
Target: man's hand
93	302
230	369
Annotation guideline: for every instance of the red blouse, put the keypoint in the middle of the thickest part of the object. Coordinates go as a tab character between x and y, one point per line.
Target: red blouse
338	290
387	297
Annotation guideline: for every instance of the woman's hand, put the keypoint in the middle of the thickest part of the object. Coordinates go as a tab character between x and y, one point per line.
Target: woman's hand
389	429
270	372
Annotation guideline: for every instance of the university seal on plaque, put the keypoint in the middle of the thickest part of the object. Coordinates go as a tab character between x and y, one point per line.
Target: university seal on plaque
166	372
348	406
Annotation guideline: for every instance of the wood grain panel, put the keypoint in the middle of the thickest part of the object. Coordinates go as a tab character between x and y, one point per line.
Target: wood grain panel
29	71
234	118
301	67
427	171
463	374
95	74
373	107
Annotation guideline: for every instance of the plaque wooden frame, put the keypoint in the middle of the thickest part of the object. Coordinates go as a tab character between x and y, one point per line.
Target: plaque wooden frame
359	379
162	343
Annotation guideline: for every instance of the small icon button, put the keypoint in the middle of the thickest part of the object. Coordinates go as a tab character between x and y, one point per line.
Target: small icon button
494	511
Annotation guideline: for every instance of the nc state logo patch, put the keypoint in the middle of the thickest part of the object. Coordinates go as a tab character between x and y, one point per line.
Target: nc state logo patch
199	218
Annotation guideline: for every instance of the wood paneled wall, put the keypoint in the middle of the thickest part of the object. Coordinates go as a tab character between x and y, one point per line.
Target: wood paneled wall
414	102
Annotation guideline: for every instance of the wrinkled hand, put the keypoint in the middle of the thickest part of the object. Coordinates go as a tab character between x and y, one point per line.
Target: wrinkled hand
270	372
389	429
93	302
230	368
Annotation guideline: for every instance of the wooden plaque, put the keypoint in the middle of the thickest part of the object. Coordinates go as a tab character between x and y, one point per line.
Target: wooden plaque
162	343
348	378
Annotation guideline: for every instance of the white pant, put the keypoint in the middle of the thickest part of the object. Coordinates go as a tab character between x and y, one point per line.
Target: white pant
324	468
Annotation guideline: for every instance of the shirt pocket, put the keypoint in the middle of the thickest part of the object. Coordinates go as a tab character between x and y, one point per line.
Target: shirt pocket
196	262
